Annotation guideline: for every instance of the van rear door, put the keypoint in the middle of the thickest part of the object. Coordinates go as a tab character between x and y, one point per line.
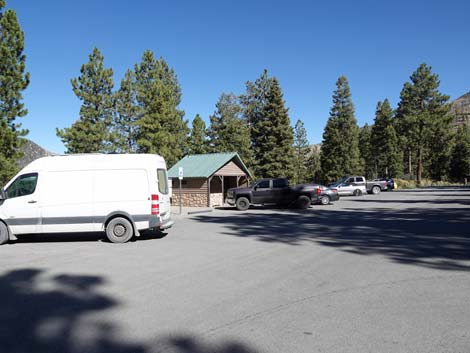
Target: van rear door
163	191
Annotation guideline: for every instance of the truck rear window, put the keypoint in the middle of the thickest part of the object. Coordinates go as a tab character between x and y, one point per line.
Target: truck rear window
162	181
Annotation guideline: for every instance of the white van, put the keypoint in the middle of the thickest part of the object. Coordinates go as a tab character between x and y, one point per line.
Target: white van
121	194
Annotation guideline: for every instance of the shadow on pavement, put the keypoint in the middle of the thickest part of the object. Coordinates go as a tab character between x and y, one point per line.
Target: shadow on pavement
82	237
48	314
434	238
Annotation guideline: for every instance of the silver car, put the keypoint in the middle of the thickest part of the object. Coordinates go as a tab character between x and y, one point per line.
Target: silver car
347	188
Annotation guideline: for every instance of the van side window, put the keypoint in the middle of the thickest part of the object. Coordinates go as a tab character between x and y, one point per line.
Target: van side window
23	185
162	181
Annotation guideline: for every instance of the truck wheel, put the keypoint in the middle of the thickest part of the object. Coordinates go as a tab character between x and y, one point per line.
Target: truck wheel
303	202
357	192
375	190
3	233
242	204
119	230
325	200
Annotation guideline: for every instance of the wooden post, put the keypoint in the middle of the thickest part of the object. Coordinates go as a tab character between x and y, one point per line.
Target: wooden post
222	181
209	192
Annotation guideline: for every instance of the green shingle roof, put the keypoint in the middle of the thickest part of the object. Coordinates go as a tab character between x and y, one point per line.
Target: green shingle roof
204	165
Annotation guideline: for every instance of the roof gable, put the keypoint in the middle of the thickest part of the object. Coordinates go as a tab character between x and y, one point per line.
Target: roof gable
205	165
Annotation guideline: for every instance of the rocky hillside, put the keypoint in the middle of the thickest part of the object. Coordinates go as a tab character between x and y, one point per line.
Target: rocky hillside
461	109
32	151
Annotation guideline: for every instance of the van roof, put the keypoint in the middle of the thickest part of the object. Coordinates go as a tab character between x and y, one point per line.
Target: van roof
94	161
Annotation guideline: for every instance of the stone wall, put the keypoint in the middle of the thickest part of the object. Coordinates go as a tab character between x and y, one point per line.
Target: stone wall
216	199
189	200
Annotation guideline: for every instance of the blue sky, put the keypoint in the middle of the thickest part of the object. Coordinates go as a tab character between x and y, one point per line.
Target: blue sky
216	46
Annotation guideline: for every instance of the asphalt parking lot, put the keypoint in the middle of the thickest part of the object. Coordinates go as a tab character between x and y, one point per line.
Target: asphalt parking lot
376	273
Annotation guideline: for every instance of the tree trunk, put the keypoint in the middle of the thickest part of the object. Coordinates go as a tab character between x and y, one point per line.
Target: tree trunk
420	165
409	161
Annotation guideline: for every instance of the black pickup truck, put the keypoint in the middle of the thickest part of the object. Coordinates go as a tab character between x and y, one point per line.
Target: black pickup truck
273	191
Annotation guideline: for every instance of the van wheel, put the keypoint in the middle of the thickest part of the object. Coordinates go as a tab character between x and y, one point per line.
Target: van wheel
242	204
357	192
119	230
3	233
303	202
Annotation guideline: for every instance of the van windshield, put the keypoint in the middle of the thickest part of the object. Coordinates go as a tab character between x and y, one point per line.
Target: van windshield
162	181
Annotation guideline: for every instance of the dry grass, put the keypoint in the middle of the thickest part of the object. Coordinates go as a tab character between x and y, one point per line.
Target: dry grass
411	184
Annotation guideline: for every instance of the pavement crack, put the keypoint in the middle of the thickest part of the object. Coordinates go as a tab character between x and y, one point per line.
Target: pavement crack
298	301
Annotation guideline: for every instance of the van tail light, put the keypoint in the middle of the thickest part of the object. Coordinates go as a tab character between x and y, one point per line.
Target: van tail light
318	191
155	205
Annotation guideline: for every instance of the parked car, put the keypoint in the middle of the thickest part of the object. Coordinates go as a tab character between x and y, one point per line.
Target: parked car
327	195
272	191
372	187
348	188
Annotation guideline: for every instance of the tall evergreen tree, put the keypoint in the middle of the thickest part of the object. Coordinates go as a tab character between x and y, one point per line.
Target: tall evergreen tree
91	132
161	127
367	156
422	108
313	165
439	143
386	151
228	130
272	136
340	148
301	153
198	143
126	114
13	80
253	103
460	156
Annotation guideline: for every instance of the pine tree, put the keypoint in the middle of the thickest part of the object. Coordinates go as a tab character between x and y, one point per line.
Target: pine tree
313	165
273	137
301	153
228	130
460	155
91	132
124	127
439	146
422	108
253	103
340	148
368	165
386	151
13	80
161	126
198	143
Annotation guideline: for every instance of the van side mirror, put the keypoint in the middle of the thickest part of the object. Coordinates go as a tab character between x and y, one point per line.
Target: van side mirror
3	194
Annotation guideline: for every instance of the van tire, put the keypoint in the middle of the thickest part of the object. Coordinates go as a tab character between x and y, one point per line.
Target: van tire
119	230
3	233
242	204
